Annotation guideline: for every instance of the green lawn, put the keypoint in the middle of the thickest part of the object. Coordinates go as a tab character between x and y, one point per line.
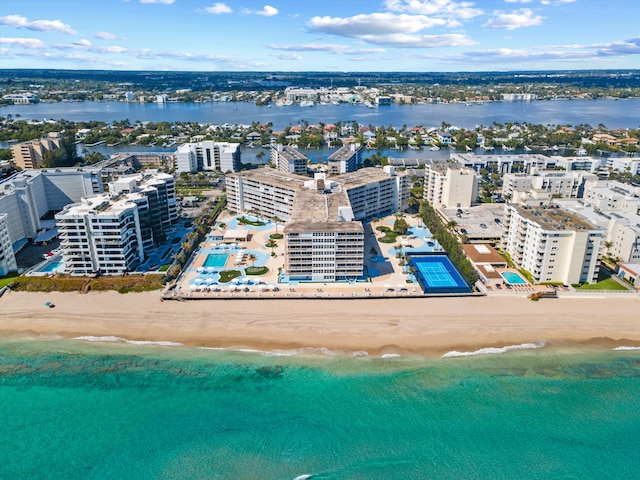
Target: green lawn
608	284
227	275
4	281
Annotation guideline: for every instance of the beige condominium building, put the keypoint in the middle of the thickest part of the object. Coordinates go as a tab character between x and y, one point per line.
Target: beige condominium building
553	244
31	154
449	185
324	236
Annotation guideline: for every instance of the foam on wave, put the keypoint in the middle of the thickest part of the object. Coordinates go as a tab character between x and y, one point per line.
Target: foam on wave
293	352
496	350
111	338
626	348
391	355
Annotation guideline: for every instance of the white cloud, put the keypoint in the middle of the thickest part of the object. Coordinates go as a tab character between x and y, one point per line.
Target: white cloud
420	41
288	56
517	19
81	45
438	8
23	42
390	29
548	53
519	1
556	2
267	11
327	47
18	21
218	8
163	2
373	24
105	36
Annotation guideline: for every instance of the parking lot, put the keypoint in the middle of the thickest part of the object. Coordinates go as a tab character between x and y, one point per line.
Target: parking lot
479	223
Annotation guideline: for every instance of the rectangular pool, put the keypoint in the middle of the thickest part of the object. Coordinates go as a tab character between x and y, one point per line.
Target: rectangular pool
513	278
436	274
52	267
216	260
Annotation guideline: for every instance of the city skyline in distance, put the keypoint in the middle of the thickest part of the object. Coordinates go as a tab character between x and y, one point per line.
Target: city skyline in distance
385	35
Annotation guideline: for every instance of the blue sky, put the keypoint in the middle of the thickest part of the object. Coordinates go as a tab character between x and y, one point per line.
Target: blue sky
320	35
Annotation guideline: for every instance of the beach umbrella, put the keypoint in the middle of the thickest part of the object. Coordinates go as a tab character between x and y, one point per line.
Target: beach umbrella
193	286
209	281
210	269
200	269
236	281
386	285
198	280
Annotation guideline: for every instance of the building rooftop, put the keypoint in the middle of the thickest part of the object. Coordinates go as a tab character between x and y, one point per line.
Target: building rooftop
317	206
483	253
290	153
274	177
344	153
364	176
555	218
107	205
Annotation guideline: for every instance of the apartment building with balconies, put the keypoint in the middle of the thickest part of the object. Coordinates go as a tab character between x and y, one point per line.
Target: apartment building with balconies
346	159
323	243
208	156
29	197
27	155
7	256
102	234
552	244
159	189
505	163
449	185
559	184
324	236
289	160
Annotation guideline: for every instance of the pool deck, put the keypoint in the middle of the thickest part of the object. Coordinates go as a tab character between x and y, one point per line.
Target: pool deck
387	280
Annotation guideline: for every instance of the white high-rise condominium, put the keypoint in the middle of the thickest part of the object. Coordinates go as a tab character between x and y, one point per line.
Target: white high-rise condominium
208	156
552	244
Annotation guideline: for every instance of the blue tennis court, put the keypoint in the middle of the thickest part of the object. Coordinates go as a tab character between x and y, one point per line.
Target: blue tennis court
436	274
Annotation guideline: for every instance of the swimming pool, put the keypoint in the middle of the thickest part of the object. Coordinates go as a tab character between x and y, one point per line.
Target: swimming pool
436	274
52	267
513	278
216	260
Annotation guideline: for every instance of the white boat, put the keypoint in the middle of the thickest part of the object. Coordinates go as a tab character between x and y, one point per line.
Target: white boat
307	103
527	149
435	148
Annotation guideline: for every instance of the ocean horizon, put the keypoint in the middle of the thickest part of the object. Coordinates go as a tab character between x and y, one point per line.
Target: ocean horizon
105	407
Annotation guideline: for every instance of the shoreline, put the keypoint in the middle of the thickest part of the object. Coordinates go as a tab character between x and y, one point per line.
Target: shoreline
428	327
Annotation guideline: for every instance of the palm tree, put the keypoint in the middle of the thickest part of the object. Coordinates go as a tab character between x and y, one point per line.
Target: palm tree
451	225
276	219
252	258
271	244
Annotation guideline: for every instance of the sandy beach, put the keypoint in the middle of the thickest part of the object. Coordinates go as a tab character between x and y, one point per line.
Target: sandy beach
428	326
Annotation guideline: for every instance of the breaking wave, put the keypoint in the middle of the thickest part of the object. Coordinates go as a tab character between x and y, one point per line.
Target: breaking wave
496	350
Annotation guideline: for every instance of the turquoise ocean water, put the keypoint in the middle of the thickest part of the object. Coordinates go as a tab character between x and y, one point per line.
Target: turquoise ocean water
79	410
